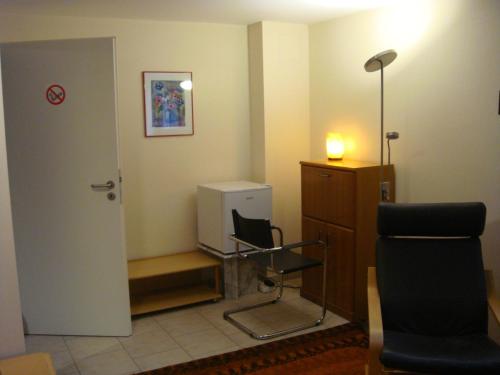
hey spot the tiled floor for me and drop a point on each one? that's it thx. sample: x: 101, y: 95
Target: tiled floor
x: 175, y: 336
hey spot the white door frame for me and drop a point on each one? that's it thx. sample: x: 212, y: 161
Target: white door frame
x: 11, y: 323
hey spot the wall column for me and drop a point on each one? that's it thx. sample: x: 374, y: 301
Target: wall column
x: 279, y: 115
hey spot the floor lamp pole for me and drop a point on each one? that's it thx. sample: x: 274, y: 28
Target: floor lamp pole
x: 378, y: 62
x: 383, y: 191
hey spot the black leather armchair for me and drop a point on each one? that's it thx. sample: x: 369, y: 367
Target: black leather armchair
x: 428, y: 297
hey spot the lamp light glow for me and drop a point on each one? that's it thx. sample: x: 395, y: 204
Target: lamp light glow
x: 186, y: 85
x: 405, y: 24
x: 334, y: 146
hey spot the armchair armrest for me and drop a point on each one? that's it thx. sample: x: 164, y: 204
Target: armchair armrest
x: 280, y: 232
x: 272, y: 249
x: 255, y: 249
x: 376, y: 330
x: 303, y: 244
x: 493, y: 300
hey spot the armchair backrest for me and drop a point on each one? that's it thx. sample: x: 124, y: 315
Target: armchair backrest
x: 429, y: 268
x: 254, y: 231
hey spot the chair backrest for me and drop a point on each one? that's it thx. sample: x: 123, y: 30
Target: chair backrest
x: 429, y: 268
x: 255, y: 231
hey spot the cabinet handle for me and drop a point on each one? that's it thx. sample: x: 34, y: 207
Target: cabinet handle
x: 324, y: 175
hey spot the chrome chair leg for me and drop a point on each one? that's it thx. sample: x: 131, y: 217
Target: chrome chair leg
x: 227, y: 314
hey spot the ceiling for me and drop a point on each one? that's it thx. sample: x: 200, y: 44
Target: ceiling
x: 216, y: 11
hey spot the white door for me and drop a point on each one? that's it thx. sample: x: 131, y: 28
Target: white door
x: 60, y: 120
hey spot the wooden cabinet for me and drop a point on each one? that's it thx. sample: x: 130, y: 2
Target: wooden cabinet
x: 339, y: 205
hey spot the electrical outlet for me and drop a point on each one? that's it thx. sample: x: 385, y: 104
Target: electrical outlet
x: 385, y: 188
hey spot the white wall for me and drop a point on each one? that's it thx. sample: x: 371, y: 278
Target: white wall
x: 441, y: 95
x: 11, y: 325
x: 279, y: 75
x: 161, y: 174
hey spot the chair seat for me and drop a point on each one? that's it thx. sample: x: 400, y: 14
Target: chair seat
x: 284, y: 261
x: 473, y: 354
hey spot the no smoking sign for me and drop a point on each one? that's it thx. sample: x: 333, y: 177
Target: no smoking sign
x: 55, y: 94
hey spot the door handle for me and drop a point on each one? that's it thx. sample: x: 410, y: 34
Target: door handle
x: 107, y: 186
x: 324, y: 175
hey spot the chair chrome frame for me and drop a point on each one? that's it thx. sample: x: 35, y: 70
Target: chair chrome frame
x: 254, y: 249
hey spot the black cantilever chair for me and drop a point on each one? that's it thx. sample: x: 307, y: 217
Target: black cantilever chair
x: 428, y: 297
x: 256, y: 234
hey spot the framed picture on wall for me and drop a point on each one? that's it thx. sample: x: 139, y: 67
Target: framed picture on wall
x: 168, y: 103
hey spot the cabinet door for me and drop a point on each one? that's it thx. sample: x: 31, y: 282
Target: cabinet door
x: 339, y: 201
x: 340, y: 270
x: 314, y: 192
x: 328, y: 194
x: 312, y: 278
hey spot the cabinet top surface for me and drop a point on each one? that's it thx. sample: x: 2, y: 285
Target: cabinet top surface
x: 340, y: 164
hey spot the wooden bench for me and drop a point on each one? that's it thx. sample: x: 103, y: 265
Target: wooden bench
x: 171, y: 281
x: 30, y: 364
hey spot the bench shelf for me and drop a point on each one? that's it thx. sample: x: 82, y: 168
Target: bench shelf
x: 150, y: 289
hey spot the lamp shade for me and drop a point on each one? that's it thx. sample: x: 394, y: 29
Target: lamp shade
x: 334, y: 146
x: 380, y: 60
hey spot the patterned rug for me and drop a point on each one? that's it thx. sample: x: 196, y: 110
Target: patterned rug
x: 334, y: 351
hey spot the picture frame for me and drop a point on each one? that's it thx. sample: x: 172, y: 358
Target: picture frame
x: 168, y: 103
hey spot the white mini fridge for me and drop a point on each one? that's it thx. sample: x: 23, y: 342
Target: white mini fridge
x: 215, y: 202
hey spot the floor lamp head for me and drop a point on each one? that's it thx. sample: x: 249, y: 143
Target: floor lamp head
x: 380, y: 60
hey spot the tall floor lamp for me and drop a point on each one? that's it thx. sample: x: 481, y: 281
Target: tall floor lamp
x: 379, y: 62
